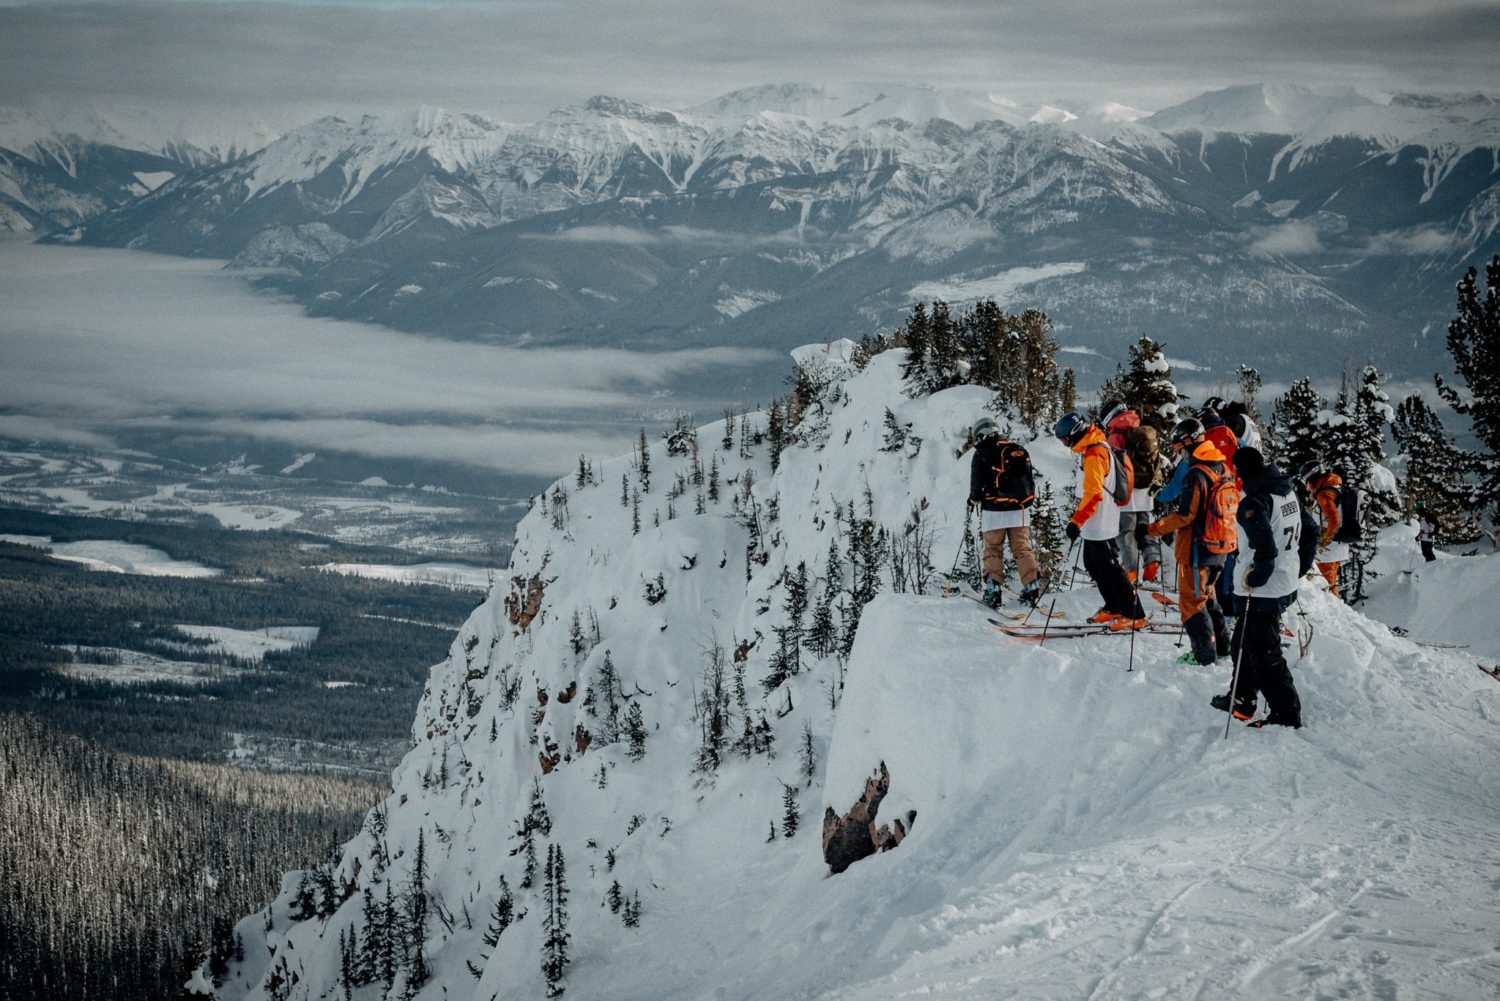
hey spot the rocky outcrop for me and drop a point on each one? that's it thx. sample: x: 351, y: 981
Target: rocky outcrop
x: 854, y: 836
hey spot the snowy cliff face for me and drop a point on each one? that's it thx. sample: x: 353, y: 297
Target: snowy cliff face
x: 1078, y: 828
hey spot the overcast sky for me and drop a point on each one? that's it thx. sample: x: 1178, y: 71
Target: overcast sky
x: 288, y: 62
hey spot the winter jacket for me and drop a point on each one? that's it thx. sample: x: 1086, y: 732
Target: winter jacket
x: 1191, y: 513
x: 1123, y: 422
x: 1262, y: 496
x: 1217, y: 432
x: 1426, y: 529
x: 1326, y: 492
x: 1000, y: 477
x: 1097, y: 514
x: 1169, y: 493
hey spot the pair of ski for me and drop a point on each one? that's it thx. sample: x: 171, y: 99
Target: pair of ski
x: 1012, y: 616
x: 1037, y: 632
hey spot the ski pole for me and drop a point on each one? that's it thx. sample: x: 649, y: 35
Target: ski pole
x: 961, y: 540
x: 1047, y: 588
x: 1234, y: 680
x: 1053, y: 607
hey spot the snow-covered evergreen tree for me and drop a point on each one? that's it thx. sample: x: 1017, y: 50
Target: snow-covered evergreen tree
x: 555, y: 959
x: 1293, y: 437
x: 1434, y: 471
x: 1474, y: 342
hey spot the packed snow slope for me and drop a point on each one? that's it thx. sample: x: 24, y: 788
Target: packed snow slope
x: 1082, y: 829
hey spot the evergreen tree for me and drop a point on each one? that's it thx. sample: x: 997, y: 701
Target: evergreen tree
x: 1068, y: 391
x: 1292, y: 439
x: 945, y: 350
x: 1474, y: 342
x: 635, y: 732
x: 390, y: 938
x: 807, y: 754
x: 607, y: 684
x: 789, y: 811
x: 369, y: 964
x: 537, y: 816
x: 1146, y: 385
x: 555, y: 922
x: 417, y: 971
x: 643, y: 463
x: 1372, y: 414
x: 1047, y: 538
x: 575, y: 634
x: 776, y: 432
x: 503, y: 917
x: 917, y: 335
x: 713, y: 479
x: 1434, y: 470
x: 728, y: 442
x: 615, y: 898
x: 632, y: 909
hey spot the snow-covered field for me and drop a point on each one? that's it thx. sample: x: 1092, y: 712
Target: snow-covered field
x: 131, y: 667
x: 252, y: 644
x: 1083, y: 829
x: 116, y: 557
x: 460, y: 576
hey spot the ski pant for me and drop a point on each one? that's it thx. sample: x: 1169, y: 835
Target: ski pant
x: 1020, y: 549
x: 1103, y: 565
x: 1202, y: 618
x: 1257, y: 649
x: 1330, y: 572
x: 1427, y: 553
x: 1136, y: 547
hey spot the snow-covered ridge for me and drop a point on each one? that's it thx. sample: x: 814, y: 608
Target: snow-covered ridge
x: 1078, y: 829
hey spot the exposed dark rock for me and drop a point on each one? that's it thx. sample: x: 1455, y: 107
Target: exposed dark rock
x: 854, y: 836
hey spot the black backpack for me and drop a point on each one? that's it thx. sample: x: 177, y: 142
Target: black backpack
x: 1010, y: 480
x: 1351, y: 515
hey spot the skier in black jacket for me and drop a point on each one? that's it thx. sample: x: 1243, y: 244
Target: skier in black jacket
x: 1278, y: 541
x: 1002, y: 487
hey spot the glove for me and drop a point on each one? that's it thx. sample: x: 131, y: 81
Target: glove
x: 1151, y: 571
x: 1072, y: 532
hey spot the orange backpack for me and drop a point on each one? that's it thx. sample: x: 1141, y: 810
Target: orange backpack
x: 1221, y: 501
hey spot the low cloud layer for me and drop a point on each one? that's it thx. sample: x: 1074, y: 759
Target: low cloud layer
x: 97, y: 341
x: 288, y: 62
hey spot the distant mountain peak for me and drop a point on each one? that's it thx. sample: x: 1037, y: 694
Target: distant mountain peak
x: 616, y: 107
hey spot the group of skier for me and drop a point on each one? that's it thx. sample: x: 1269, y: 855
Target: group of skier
x: 1242, y: 538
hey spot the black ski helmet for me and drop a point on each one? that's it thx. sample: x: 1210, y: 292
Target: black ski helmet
x: 1310, y: 471
x: 1213, y: 404
x: 1186, y: 431
x: 1111, y: 410
x: 1071, y: 428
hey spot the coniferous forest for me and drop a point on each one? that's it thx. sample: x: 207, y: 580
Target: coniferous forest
x: 118, y: 874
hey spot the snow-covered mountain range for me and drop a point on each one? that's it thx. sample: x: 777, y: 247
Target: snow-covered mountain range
x: 633, y: 700
x: 1260, y: 213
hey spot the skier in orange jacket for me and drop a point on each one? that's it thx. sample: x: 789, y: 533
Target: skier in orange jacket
x: 1097, y: 521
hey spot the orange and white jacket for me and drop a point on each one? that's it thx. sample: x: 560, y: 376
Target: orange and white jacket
x: 1097, y: 515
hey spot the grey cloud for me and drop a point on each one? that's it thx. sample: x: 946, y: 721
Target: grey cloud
x: 290, y: 62
x: 95, y: 340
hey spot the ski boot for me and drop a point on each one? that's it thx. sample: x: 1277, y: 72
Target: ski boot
x: 1241, y: 709
x: 1030, y: 594
x: 991, y: 593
